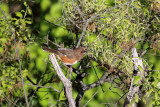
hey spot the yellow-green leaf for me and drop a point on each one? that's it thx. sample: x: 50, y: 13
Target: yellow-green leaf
x: 136, y: 98
x: 149, y: 92
x: 136, y: 79
x: 140, y: 68
x: 19, y: 14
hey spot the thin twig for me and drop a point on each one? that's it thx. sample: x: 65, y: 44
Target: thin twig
x: 120, y: 98
x: 94, y: 16
x: 59, y: 95
x: 16, y: 52
x: 69, y: 17
x: 13, y: 103
x: 47, y: 37
x: 90, y: 98
x: 107, y: 10
x: 55, y: 44
x: 79, y: 11
x: 84, y: 29
x: 43, y: 87
x: 37, y: 87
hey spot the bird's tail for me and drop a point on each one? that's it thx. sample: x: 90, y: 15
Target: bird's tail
x: 49, y: 50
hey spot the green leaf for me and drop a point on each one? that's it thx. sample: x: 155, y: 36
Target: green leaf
x: 1, y: 49
x: 136, y: 79
x: 140, y: 68
x: 1, y: 92
x: 14, y: 19
x: 135, y: 34
x: 144, y: 100
x: 119, y: 51
x: 22, y: 11
x: 45, y: 4
x: 150, y: 67
x: 29, y: 11
x: 19, y: 14
x: 156, y: 96
x: 28, y: 22
x: 25, y: 4
x: 25, y: 72
x: 130, y: 105
x: 159, y: 92
x: 149, y: 92
x: 17, y: 22
x: 136, y: 98
x: 3, y: 40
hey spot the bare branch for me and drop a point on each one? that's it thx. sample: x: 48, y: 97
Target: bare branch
x: 65, y: 81
x: 43, y: 87
x: 82, y: 34
x: 17, y: 53
x: 120, y: 99
x: 103, y: 79
x: 84, y: 87
x: 134, y: 89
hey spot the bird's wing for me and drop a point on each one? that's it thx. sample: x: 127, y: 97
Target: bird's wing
x: 68, y: 53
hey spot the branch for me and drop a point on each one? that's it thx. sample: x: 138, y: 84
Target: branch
x: 90, y: 98
x: 44, y: 87
x: 78, y: 9
x: 84, y: 88
x: 69, y: 17
x: 83, y: 31
x: 65, y: 81
x: 120, y: 99
x: 103, y: 79
x: 134, y: 89
x: 37, y: 88
x: 94, y: 16
x: 17, y: 53
x: 107, y: 10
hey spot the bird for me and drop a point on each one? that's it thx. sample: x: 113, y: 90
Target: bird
x: 67, y: 56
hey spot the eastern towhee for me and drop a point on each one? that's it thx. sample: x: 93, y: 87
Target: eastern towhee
x: 67, y: 56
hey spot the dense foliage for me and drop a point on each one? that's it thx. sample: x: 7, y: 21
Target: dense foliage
x: 109, y: 30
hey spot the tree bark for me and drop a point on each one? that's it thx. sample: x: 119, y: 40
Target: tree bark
x: 134, y: 89
x: 65, y: 81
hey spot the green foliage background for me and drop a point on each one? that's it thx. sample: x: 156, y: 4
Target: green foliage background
x: 31, y: 25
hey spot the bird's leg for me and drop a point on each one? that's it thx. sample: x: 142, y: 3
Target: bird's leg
x: 70, y: 71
